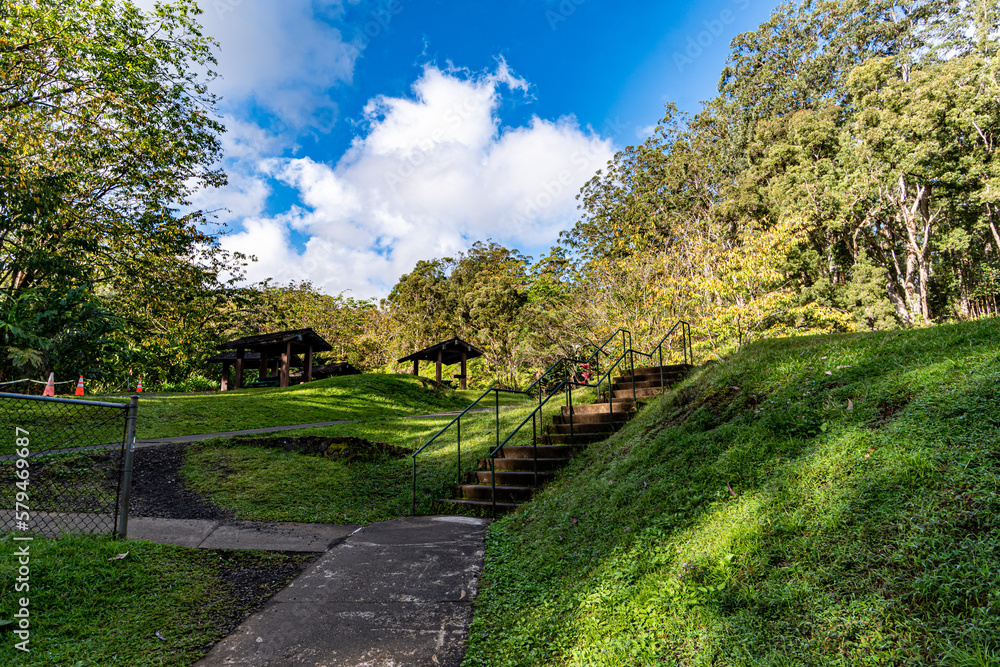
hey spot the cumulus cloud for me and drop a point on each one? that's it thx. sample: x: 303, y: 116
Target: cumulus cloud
x: 283, y: 57
x: 433, y: 172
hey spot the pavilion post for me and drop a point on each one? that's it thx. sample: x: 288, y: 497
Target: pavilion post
x: 463, y: 379
x: 286, y: 361
x: 262, y: 369
x: 439, y: 360
x: 416, y: 367
x: 308, y: 373
x: 238, y: 380
x: 224, y: 384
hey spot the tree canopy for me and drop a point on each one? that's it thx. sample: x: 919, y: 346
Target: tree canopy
x: 845, y: 176
x: 107, y: 126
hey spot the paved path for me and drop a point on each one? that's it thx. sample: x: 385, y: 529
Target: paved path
x: 394, y: 593
x: 256, y: 535
x: 153, y: 442
x: 206, y: 534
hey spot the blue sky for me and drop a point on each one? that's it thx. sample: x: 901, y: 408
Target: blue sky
x: 366, y: 135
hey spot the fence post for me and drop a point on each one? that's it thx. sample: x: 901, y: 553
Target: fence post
x: 126, y: 495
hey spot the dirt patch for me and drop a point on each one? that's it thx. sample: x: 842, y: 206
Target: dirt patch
x: 347, y: 449
x: 159, y: 491
x: 887, y: 411
x: 248, y: 580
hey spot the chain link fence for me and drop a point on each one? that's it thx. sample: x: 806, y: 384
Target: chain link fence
x: 65, y: 465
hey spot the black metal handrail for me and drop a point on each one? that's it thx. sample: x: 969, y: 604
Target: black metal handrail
x: 569, y: 383
x: 529, y: 390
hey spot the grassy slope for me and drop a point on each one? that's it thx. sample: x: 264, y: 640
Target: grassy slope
x: 351, y: 397
x: 270, y: 484
x: 87, y: 610
x: 861, y: 528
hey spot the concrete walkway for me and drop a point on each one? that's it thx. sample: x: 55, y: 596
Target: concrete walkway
x: 394, y: 593
x: 199, y: 533
x: 255, y: 535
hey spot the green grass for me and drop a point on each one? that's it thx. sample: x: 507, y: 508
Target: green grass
x: 86, y: 610
x: 270, y: 484
x: 862, y: 526
x: 342, y: 398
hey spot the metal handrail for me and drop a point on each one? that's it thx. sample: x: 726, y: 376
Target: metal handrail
x: 529, y: 390
x: 568, y: 382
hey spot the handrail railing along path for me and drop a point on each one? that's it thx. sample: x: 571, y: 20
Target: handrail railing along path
x: 566, y: 383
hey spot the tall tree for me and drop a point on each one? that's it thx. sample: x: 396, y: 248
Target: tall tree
x: 106, y: 128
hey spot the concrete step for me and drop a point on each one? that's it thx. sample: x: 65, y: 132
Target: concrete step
x: 560, y: 451
x: 639, y: 393
x: 574, y: 439
x: 671, y: 376
x: 673, y: 368
x: 644, y: 384
x: 578, y: 428
x: 597, y: 418
x: 507, y: 494
x: 480, y: 505
x: 509, y: 477
x: 527, y: 464
x: 620, y: 406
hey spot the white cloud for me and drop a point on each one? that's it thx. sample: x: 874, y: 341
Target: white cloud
x: 284, y: 57
x: 435, y: 172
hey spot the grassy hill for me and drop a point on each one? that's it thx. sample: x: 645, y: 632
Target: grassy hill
x: 811, y: 501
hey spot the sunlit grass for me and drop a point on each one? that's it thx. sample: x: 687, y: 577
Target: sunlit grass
x: 861, y: 528
x: 343, y: 398
x: 270, y: 484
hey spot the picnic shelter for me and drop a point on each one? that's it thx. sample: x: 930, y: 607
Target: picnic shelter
x: 282, y: 351
x: 447, y: 353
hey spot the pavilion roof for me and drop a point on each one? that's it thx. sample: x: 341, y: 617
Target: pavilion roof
x: 300, y: 339
x: 295, y: 362
x: 451, y: 352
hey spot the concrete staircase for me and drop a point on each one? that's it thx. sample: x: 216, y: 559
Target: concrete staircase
x: 569, y: 432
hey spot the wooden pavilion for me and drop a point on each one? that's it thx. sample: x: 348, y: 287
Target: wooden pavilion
x: 448, y: 353
x: 279, y: 350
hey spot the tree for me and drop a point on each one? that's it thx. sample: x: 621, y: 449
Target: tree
x: 106, y: 128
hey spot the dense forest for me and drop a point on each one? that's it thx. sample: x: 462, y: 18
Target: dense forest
x: 845, y: 177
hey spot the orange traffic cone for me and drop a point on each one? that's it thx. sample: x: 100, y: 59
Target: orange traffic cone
x: 50, y: 387
x: 79, y: 387
x: 138, y: 387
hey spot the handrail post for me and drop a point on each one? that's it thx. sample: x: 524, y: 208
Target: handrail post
x: 631, y: 356
x: 534, y: 445
x: 459, y: 425
x: 496, y: 395
x: 662, y: 389
x: 493, y: 480
x: 690, y: 344
x: 413, y: 509
x: 611, y: 396
x: 572, y: 418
